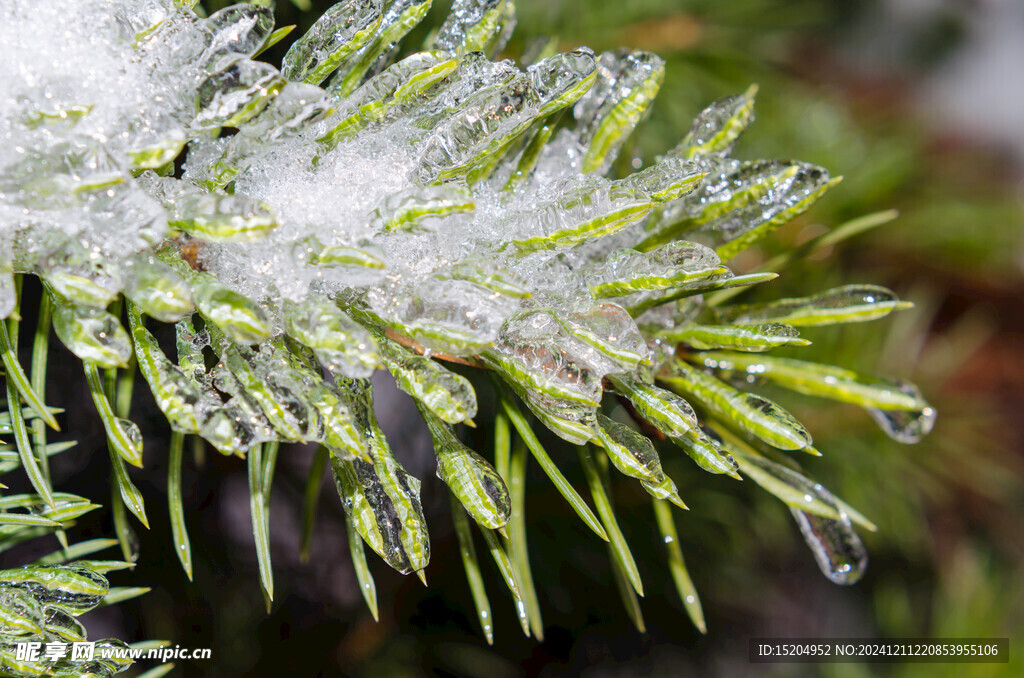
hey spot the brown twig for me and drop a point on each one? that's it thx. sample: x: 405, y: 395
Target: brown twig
x: 420, y: 349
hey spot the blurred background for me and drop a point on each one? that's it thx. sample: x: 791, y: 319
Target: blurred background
x: 918, y: 104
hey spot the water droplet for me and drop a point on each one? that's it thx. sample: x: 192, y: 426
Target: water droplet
x: 906, y: 426
x: 840, y: 554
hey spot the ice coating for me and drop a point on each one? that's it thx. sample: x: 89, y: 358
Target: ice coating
x: 634, y: 455
x: 753, y: 338
x: 849, y: 303
x: 398, y: 18
x: 296, y: 201
x: 627, y: 270
x: 97, y: 92
x: 477, y: 26
x: 312, y: 211
x: 626, y: 84
x: 898, y: 406
x: 438, y: 205
x: 365, y: 190
x: 340, y: 31
x: 717, y: 127
x: 41, y: 604
x: 80, y: 108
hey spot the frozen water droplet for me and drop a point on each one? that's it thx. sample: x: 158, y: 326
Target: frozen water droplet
x: 476, y: 26
x: 130, y: 432
x: 471, y: 478
x: 906, y: 426
x: 674, y: 265
x: 381, y: 498
x: 447, y: 395
x: 399, y: 17
x: 92, y: 334
x: 664, y: 409
x: 626, y: 85
x: 157, y: 289
x: 341, y: 344
x: 240, y: 28
x: 669, y: 179
x: 838, y: 550
x: 610, y: 331
x: 452, y: 316
x: 240, y: 318
x: 563, y: 78
x: 535, y: 349
x: 582, y: 208
x: 739, y: 202
x: 466, y: 137
x: 707, y: 452
x: 753, y: 338
x: 632, y: 453
x: 334, y: 36
x: 236, y: 92
x: 717, y: 127
x: 849, y: 303
x: 396, y: 89
x: 132, y: 539
x: 421, y: 209
x: 491, y: 274
x: 824, y: 520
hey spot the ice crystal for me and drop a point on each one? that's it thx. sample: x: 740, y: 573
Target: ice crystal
x: 373, y: 208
